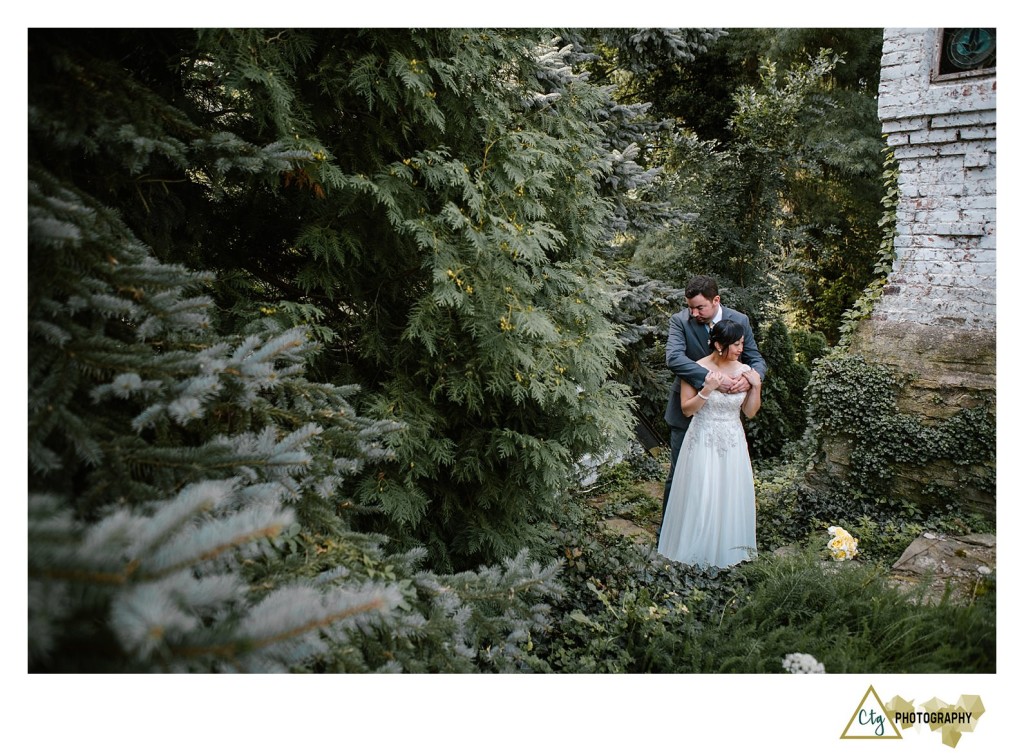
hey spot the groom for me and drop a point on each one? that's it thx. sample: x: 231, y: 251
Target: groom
x: 688, y: 333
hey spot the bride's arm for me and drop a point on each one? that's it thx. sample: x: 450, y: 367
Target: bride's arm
x: 693, y: 400
x: 752, y: 402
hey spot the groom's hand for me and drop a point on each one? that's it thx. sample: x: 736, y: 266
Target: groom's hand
x: 733, y: 384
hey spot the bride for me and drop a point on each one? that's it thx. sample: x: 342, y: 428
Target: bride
x: 709, y: 520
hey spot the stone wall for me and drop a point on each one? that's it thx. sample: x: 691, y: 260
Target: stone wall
x: 936, y: 318
x: 944, y: 136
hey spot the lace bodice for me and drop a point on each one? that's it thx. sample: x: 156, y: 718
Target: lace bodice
x: 717, y: 423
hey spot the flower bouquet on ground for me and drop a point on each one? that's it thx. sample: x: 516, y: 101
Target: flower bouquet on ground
x: 842, y: 546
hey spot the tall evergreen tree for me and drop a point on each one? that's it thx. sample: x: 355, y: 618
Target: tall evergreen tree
x: 190, y: 488
x: 428, y: 202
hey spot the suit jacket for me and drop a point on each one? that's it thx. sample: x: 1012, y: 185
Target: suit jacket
x: 688, y: 343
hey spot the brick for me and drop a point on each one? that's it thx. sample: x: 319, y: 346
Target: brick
x: 919, y: 255
x: 933, y: 216
x: 911, y: 151
x: 979, y: 203
x: 904, y: 71
x: 940, y: 135
x: 973, y: 118
x: 979, y: 133
x: 981, y: 187
x: 978, y: 155
x: 933, y: 241
x: 894, y: 56
x: 950, y: 228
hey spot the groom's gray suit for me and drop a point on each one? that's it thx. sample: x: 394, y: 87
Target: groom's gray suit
x: 688, y: 343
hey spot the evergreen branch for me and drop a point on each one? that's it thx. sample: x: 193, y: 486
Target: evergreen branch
x: 162, y: 181
x: 86, y: 576
x: 230, y: 650
x: 128, y: 573
x: 179, y: 169
x: 503, y: 594
x: 267, y: 532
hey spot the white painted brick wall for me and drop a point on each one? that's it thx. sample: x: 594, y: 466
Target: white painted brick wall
x: 944, y: 136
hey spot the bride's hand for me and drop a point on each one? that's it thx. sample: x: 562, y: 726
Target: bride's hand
x: 753, y: 377
x: 713, y: 380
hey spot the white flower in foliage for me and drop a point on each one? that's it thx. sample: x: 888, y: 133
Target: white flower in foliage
x: 802, y: 664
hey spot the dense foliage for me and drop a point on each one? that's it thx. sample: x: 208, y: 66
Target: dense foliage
x: 415, y: 215
x: 783, y: 413
x: 782, y: 124
x: 188, y: 505
x: 906, y: 474
x: 429, y: 203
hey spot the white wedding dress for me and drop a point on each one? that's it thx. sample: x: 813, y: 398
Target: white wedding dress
x: 710, y: 515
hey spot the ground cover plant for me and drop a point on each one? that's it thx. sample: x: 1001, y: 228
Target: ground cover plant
x: 626, y: 609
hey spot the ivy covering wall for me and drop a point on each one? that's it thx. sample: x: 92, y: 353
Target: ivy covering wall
x: 891, y: 455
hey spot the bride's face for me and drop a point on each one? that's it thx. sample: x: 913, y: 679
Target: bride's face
x: 734, y: 351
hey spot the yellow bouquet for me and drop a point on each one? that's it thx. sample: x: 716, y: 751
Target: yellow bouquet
x: 842, y: 546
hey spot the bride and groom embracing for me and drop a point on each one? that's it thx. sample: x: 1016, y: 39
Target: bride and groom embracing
x: 708, y: 508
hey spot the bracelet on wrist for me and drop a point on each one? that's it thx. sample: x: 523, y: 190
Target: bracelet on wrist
x: 702, y: 396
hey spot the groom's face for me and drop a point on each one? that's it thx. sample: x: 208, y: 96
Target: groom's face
x: 702, y: 309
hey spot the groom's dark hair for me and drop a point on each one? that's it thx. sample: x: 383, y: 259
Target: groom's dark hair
x: 702, y: 285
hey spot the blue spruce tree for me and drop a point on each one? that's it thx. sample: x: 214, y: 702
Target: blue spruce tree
x: 165, y: 461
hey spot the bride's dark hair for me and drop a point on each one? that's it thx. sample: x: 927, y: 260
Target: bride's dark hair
x: 725, y: 333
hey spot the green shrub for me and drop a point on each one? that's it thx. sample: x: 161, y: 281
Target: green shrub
x: 783, y: 413
x: 776, y: 494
